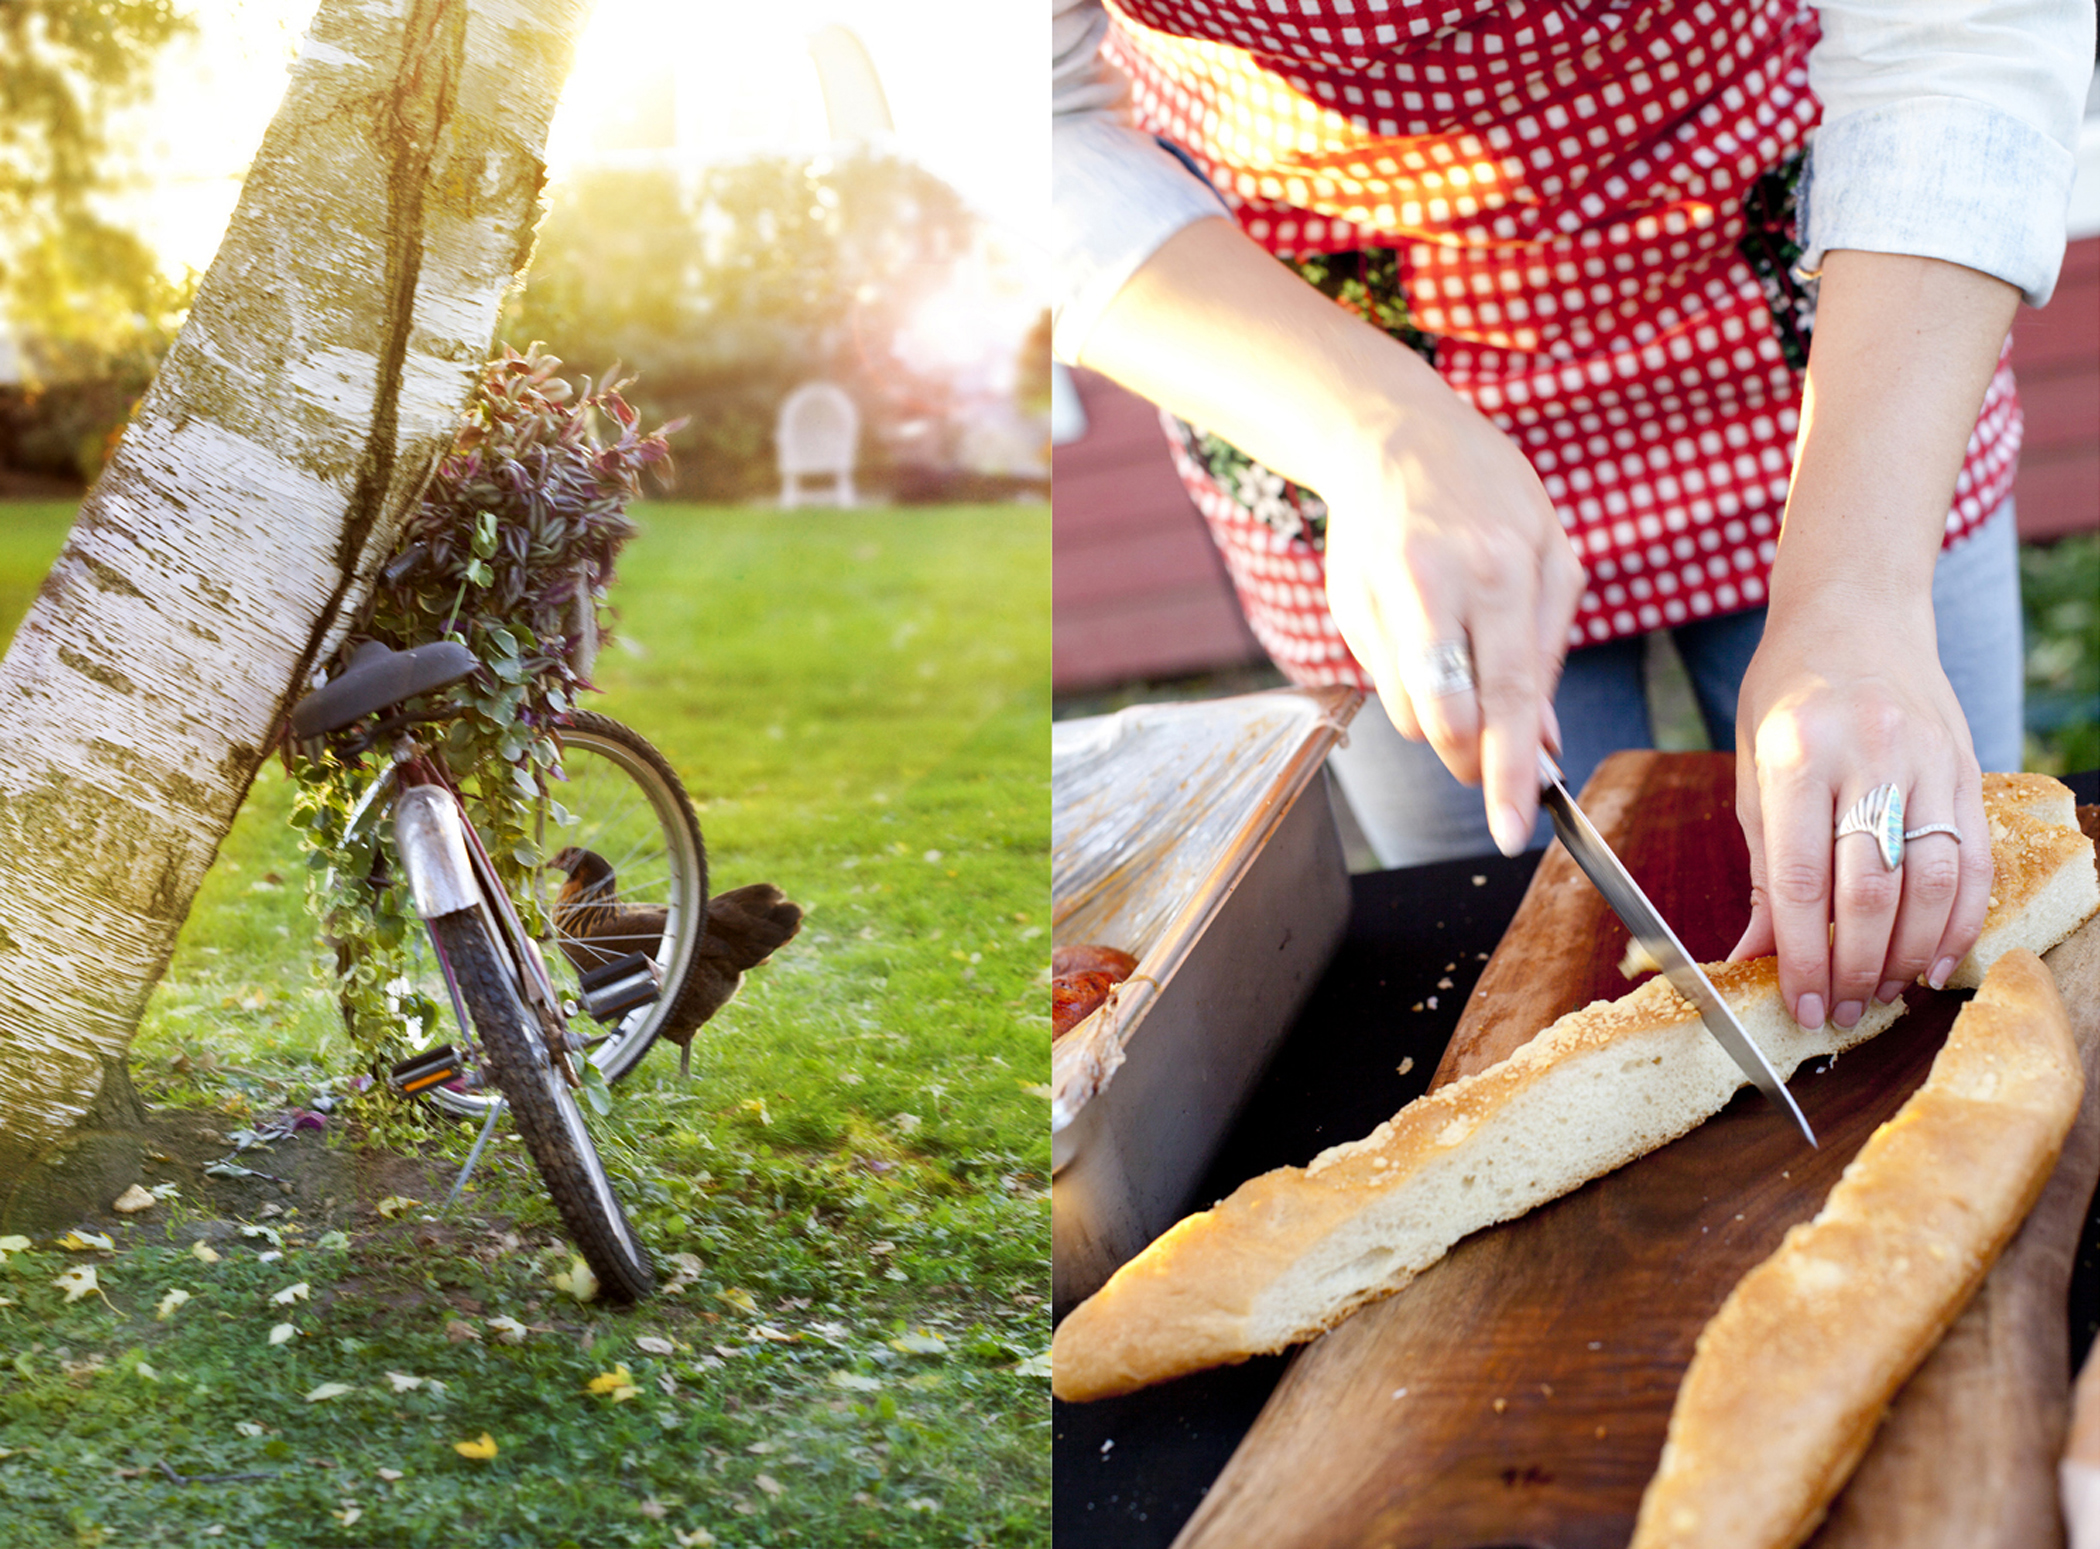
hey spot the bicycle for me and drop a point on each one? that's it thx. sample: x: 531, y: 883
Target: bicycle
x: 625, y: 927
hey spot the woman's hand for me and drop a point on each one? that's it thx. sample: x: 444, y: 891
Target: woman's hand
x: 1846, y: 693
x: 1842, y: 698
x: 1452, y: 538
x: 1438, y: 529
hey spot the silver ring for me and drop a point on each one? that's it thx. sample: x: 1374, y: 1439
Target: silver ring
x: 1879, y: 815
x: 1444, y: 668
x: 1932, y: 828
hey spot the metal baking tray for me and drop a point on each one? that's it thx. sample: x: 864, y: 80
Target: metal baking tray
x: 1200, y: 838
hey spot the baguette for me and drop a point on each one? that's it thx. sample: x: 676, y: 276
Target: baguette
x: 2043, y: 884
x: 1789, y: 1380
x: 1293, y: 1252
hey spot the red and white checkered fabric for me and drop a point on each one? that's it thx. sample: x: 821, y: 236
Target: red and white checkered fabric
x: 1564, y: 181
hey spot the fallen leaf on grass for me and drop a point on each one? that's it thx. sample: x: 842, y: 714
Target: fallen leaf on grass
x: 389, y: 1474
x: 483, y: 1449
x: 347, y: 1515
x: 331, y: 1240
x: 1035, y: 1366
x: 394, y: 1204
x: 578, y: 1282
x: 699, y: 1538
x: 147, y: 1372
x: 923, y: 1342
x: 738, y: 1298
x: 290, y: 1294
x: 770, y: 1485
x: 854, y: 1382
x: 281, y: 1333
x: 458, y: 1332
x: 14, y: 1243
x: 132, y: 1201
x: 247, y: 1427
x: 269, y: 1256
x: 276, y: 1237
x: 328, y: 1390
x: 619, y: 1382
x: 778, y: 1336
x: 165, y: 1308
x: 509, y: 1330
x: 653, y: 1345
x: 1036, y: 1089
x: 201, y: 1253
x: 653, y: 1509
x: 403, y: 1382
x: 81, y: 1242
x: 78, y: 1282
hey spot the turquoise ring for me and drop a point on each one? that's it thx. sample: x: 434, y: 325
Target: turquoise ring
x: 1879, y: 815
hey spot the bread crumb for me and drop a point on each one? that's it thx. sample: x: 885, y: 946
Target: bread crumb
x: 1444, y: 983
x: 1501, y: 1404
x: 1479, y: 880
x: 1596, y: 1344
x: 1106, y: 1445
x: 1417, y: 1006
x: 1637, y: 961
x: 1430, y: 1003
x: 1399, y: 1392
x: 1546, y: 1388
x: 1449, y: 966
x: 1407, y: 1064
x: 1600, y: 1433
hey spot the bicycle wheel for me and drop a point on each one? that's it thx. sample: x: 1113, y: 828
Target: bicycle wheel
x: 627, y: 872
x: 543, y: 1107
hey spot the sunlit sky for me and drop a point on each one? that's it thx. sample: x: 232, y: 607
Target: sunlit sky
x: 966, y: 83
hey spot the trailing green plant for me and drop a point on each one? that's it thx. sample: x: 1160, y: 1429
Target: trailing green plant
x: 510, y: 552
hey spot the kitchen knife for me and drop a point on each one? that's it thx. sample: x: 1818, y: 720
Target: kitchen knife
x: 1655, y: 938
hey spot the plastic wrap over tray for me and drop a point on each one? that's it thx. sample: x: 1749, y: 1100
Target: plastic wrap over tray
x: 1156, y: 812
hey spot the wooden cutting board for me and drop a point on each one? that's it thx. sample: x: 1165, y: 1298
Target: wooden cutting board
x: 1516, y: 1394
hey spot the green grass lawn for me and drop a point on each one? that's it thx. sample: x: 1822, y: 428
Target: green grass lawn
x: 858, y: 1169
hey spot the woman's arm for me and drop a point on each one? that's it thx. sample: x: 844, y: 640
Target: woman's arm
x: 1438, y: 529
x: 1846, y: 692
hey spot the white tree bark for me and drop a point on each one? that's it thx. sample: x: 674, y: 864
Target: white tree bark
x: 223, y: 552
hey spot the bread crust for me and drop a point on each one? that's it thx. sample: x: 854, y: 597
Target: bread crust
x: 1292, y: 1252
x: 1789, y: 1379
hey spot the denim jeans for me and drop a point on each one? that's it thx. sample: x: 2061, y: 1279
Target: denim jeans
x: 1413, y: 811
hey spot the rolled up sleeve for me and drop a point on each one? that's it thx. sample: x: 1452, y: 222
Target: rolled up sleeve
x: 1949, y: 129
x: 1115, y: 196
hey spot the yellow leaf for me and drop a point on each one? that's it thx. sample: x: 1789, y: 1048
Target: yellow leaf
x: 81, y: 1242
x: 328, y: 1390
x: 619, y: 1382
x: 347, y: 1515
x: 394, y: 1204
x: 13, y: 1244
x: 281, y: 1333
x: 579, y: 1282
x: 738, y: 1298
x: 922, y: 1342
x: 201, y: 1253
x: 699, y: 1538
x: 78, y: 1282
x: 291, y: 1293
x: 483, y: 1449
x: 167, y: 1305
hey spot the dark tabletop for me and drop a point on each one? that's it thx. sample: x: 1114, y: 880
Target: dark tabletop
x: 1128, y: 1472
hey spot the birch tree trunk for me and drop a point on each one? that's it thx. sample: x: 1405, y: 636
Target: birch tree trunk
x: 223, y: 552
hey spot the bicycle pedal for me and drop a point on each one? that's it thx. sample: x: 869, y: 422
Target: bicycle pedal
x: 611, y: 991
x: 420, y: 1072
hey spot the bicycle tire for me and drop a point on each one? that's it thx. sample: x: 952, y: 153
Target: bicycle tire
x: 543, y: 1107
x: 622, y: 796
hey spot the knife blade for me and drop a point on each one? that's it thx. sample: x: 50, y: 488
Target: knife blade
x: 1647, y: 927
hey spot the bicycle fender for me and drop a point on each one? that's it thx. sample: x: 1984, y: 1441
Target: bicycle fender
x: 433, y: 851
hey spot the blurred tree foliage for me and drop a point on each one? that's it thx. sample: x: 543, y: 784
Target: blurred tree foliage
x: 90, y: 309
x: 724, y: 289
x: 2060, y: 594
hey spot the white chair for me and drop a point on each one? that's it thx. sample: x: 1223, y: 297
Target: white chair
x: 817, y: 437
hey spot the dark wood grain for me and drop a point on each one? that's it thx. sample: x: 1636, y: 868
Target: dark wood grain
x: 1517, y: 1393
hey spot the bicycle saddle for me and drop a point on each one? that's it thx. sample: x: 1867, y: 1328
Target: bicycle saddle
x: 377, y: 677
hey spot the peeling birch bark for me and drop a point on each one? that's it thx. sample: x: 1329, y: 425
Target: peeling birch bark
x: 225, y: 549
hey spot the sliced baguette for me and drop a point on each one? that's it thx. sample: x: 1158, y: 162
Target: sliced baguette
x: 2043, y: 883
x: 1788, y: 1381
x: 1294, y: 1251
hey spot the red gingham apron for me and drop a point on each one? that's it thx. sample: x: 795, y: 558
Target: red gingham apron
x: 1563, y: 181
